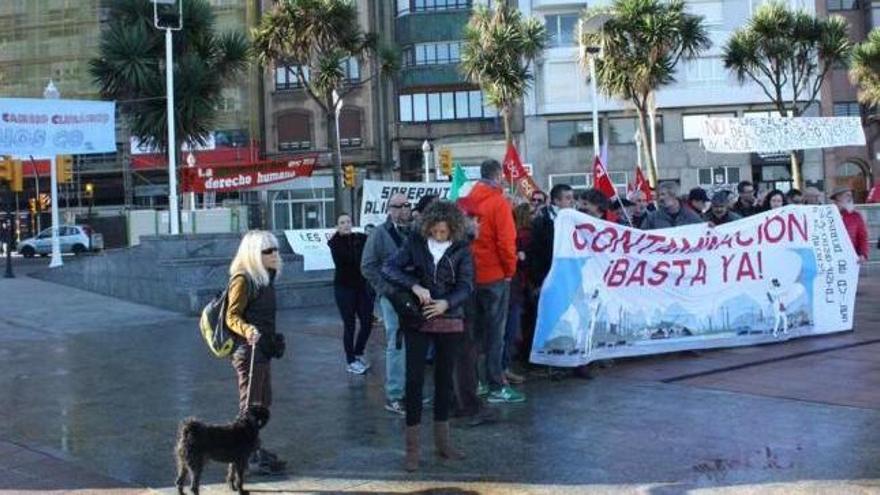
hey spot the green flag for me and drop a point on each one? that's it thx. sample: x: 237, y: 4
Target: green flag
x: 459, y: 178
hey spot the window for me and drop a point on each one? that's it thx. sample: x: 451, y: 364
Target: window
x: 847, y: 109
x: 460, y: 105
x: 567, y: 133
x: 763, y: 114
x: 842, y: 5
x: 350, y: 128
x: 286, y: 77
x: 352, y: 69
x: 622, y: 130
x: 692, y: 125
x: 561, y: 29
x: 718, y: 176
x: 408, y: 6
x: 294, y: 131
x: 445, y: 52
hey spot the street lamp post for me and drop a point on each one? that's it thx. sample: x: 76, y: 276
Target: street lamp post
x: 173, y: 208
x: 592, y: 25
x: 426, y: 156
x: 51, y: 93
x: 337, y: 111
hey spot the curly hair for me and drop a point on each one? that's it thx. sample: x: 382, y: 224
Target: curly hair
x: 443, y: 211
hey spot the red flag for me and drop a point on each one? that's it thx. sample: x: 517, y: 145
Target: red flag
x: 516, y: 174
x: 642, y: 185
x: 601, y: 181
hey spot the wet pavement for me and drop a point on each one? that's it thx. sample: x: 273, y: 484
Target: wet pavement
x: 93, y: 389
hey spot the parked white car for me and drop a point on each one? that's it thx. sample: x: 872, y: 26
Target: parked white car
x: 76, y: 239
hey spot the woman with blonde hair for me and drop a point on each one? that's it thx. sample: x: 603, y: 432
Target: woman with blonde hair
x: 250, y: 315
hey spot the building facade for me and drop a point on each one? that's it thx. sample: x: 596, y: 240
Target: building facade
x: 853, y: 166
x: 43, y: 40
x: 558, y: 122
x: 430, y: 98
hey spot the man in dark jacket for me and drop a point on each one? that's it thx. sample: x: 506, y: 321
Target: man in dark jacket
x: 720, y: 213
x: 540, y: 250
x: 671, y: 213
x: 746, y: 205
x: 381, y: 245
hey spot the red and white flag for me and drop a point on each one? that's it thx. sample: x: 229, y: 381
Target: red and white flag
x: 642, y: 185
x: 601, y: 181
x: 516, y: 174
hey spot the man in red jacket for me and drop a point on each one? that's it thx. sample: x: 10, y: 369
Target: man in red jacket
x: 494, y: 252
x: 852, y: 220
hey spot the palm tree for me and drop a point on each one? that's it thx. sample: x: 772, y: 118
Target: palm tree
x: 865, y: 69
x: 642, y: 42
x: 316, y: 37
x: 499, y: 48
x: 787, y: 53
x: 130, y: 68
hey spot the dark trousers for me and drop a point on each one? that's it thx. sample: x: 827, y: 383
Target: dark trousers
x: 467, y: 401
x: 354, y: 303
x: 529, y: 320
x: 511, y: 331
x: 416, y: 344
x: 261, y: 385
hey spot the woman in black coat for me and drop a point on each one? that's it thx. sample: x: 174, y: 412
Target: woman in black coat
x: 434, y: 264
x: 353, y: 295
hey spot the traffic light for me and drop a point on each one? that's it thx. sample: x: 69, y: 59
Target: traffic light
x: 446, y: 162
x: 65, y: 168
x: 349, y: 176
x: 10, y: 171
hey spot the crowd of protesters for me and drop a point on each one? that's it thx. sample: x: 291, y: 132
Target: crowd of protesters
x: 457, y: 285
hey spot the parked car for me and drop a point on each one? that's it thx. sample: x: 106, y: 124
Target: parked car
x: 76, y: 239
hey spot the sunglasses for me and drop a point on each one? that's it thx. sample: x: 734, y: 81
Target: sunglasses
x: 404, y: 205
x: 269, y: 251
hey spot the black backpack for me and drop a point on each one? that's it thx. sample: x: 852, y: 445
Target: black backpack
x: 213, y: 326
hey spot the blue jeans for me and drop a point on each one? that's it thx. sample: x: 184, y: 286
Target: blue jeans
x: 395, y: 359
x: 492, y: 303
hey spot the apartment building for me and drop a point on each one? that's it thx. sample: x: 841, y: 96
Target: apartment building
x: 558, y: 120
x: 855, y: 166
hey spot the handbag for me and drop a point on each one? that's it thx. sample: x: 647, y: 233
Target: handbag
x: 407, y: 307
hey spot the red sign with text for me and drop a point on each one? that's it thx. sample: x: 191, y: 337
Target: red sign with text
x: 236, y: 177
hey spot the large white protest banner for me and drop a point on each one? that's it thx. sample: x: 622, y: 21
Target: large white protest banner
x: 613, y: 291
x: 374, y: 206
x: 43, y: 128
x: 311, y: 244
x: 767, y: 135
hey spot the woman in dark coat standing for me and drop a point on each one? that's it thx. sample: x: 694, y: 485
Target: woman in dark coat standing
x: 353, y: 296
x: 435, y: 264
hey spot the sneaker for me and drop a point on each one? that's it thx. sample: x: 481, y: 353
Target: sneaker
x: 482, y: 389
x: 484, y: 415
x: 513, y: 377
x: 363, y: 361
x: 506, y: 395
x: 263, y: 462
x: 356, y: 368
x: 395, y: 406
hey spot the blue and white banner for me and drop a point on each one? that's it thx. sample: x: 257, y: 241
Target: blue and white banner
x: 44, y: 128
x: 613, y: 291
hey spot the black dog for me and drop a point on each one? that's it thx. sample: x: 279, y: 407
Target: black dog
x: 232, y: 443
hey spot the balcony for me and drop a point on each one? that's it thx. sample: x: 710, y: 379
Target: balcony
x: 431, y: 26
x: 430, y: 75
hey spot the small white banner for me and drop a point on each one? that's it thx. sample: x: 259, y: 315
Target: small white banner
x: 767, y: 135
x: 374, y: 207
x: 311, y: 244
x: 42, y: 128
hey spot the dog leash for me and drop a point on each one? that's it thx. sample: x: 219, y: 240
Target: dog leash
x: 250, y: 375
